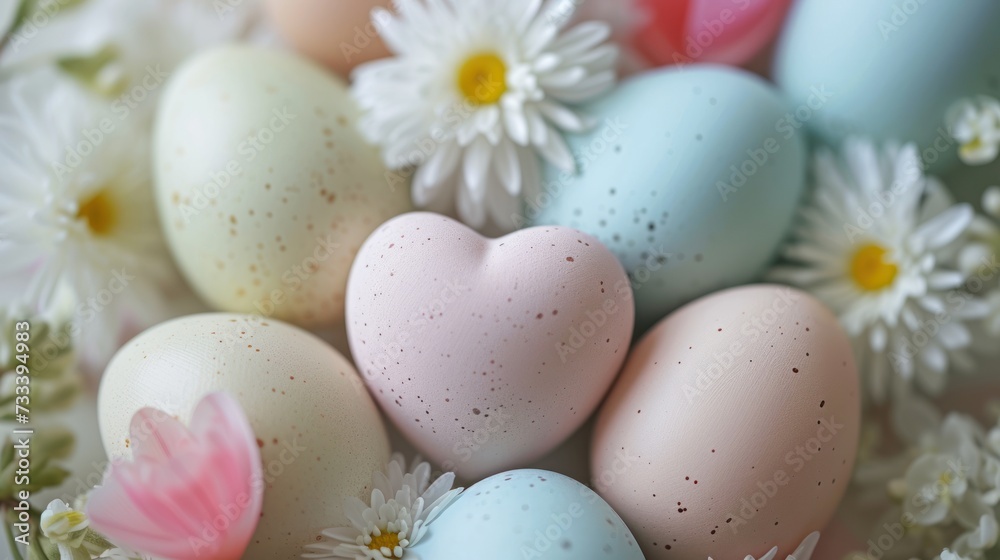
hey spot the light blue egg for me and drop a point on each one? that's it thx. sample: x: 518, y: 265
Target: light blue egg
x: 691, y: 178
x: 889, y: 69
x: 528, y: 514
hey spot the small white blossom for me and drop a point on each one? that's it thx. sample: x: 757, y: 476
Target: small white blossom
x: 65, y: 527
x: 949, y: 486
x: 975, y: 123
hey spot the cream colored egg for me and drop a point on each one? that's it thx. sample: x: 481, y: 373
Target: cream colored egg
x: 320, y: 435
x: 266, y: 190
x: 340, y: 34
x: 733, y: 427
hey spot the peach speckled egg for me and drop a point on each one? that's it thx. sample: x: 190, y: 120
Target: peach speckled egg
x: 320, y: 435
x: 265, y: 188
x: 337, y: 33
x: 733, y: 427
x: 486, y: 354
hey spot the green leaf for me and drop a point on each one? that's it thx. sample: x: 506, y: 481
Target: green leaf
x: 22, y: 13
x: 53, y: 442
x: 35, y: 551
x: 51, y: 476
x: 42, y: 548
x: 89, y: 71
x: 29, y: 8
x: 96, y: 543
x: 59, y: 396
x: 7, y: 453
x: 51, y: 359
x: 9, y: 533
x: 7, y: 481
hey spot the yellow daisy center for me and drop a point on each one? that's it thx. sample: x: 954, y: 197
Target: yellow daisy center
x: 385, y: 540
x: 482, y: 78
x: 99, y: 213
x: 870, y: 270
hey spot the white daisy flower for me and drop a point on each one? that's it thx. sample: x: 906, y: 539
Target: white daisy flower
x: 402, y: 507
x: 625, y: 17
x: 77, y: 216
x: 803, y: 552
x: 876, y: 243
x: 975, y: 123
x: 134, y: 44
x: 476, y: 92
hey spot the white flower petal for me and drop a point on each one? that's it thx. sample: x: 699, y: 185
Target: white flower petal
x: 945, y: 227
x: 401, y: 514
x: 412, y: 96
x: 920, y: 232
x: 476, y: 168
x: 508, y: 168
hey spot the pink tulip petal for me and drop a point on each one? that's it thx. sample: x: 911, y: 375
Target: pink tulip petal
x: 154, y: 433
x: 749, y: 29
x: 190, y: 492
x: 726, y: 31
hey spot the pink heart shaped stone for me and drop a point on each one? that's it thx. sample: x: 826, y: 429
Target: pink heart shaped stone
x: 486, y: 353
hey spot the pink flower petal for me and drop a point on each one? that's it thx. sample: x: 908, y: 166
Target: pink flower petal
x: 726, y: 31
x: 191, y: 492
x: 154, y: 433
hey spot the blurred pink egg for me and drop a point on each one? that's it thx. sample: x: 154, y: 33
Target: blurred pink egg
x: 724, y: 31
x: 336, y: 33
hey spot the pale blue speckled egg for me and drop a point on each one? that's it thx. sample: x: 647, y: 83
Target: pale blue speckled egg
x: 889, y: 69
x: 691, y: 178
x: 528, y: 514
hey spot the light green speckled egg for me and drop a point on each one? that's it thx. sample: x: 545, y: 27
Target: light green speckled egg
x: 266, y: 190
x: 320, y: 434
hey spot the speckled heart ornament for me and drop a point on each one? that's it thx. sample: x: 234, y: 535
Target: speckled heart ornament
x: 486, y: 353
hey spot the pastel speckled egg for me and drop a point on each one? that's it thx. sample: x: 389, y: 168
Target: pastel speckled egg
x: 528, y: 514
x: 889, y: 69
x: 337, y: 33
x: 486, y: 354
x: 265, y: 188
x: 733, y: 427
x: 320, y: 435
x: 691, y: 178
